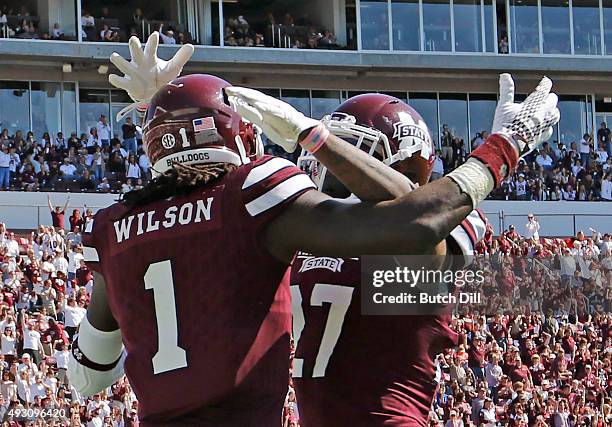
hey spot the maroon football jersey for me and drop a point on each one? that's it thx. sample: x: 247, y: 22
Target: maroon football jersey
x: 356, y: 370
x: 203, y: 308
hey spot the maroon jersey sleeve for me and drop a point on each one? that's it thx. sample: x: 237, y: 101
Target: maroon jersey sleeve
x: 270, y: 184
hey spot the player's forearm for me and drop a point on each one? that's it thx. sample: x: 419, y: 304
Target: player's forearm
x: 366, y: 177
x: 427, y: 215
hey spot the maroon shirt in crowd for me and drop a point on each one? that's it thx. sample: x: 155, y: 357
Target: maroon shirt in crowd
x: 57, y: 218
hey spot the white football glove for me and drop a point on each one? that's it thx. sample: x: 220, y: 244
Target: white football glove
x: 279, y: 121
x: 145, y: 74
x: 530, y: 123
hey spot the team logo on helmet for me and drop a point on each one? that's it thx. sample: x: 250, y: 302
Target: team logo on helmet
x: 409, y: 133
x: 168, y: 141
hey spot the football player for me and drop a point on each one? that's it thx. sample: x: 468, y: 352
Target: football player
x: 191, y: 270
x: 382, y: 366
x: 351, y: 369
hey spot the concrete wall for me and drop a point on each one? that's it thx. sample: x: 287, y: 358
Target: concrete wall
x: 27, y: 210
x: 556, y: 218
x: 22, y: 211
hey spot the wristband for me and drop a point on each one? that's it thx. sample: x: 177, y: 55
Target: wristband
x: 315, y: 139
x: 475, y: 179
x: 499, y: 154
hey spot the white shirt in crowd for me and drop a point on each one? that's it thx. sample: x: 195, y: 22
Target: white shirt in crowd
x: 37, y: 389
x: 61, y: 264
x: 5, y: 159
x: 104, y: 131
x: 493, y: 373
x: 87, y: 21
x: 73, y: 315
x: 602, y: 156
x: 12, y: 248
x: 585, y: 148
x: 544, y: 160
x: 531, y: 229
x: 61, y: 358
x: 51, y: 382
x: 68, y: 169
x: 74, y: 261
x: 606, y: 189
x: 521, y: 188
x: 133, y: 170
x: 31, y: 339
x: 8, y: 345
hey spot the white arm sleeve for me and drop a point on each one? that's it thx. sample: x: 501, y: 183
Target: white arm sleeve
x: 96, y: 360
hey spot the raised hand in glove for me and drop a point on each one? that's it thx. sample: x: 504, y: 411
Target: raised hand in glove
x: 146, y: 73
x: 527, y: 124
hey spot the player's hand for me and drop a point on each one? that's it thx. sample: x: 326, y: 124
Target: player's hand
x: 530, y: 123
x: 281, y: 123
x: 146, y: 72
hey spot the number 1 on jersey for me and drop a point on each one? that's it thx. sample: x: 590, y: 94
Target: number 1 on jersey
x: 169, y: 355
x: 340, y: 299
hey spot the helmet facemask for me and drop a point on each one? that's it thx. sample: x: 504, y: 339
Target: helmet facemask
x: 344, y: 126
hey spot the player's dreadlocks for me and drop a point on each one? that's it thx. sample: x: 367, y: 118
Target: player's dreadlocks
x: 177, y: 181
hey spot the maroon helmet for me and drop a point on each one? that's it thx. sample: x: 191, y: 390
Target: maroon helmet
x: 189, y: 122
x: 387, y: 128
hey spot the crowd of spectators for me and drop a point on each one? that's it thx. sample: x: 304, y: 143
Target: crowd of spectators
x: 288, y: 32
x: 581, y: 171
x: 98, y: 161
x: 22, y: 24
x: 105, y: 27
x: 538, y: 350
x: 103, y: 162
x: 46, y: 287
x: 110, y: 28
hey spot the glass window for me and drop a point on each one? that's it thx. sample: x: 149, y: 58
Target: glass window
x: 607, y: 18
x: 482, y: 110
x: 15, y: 107
x: 92, y: 103
x: 298, y: 99
x: 426, y: 104
x: 489, y: 21
x: 573, y: 119
x: 118, y: 20
x: 399, y: 95
x: 524, y: 26
x: 436, y: 25
x: 40, y: 20
x: 349, y: 94
x: 271, y: 92
x: 46, y: 108
x: 406, y: 24
x: 350, y: 10
x: 324, y: 102
x: 119, y: 100
x: 374, y: 25
x: 69, y: 123
x: 453, y: 114
x: 555, y: 26
x: 587, y: 33
x: 468, y: 25
x: 285, y: 24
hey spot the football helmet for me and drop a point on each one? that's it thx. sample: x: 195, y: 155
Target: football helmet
x: 190, y: 122
x: 386, y: 128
